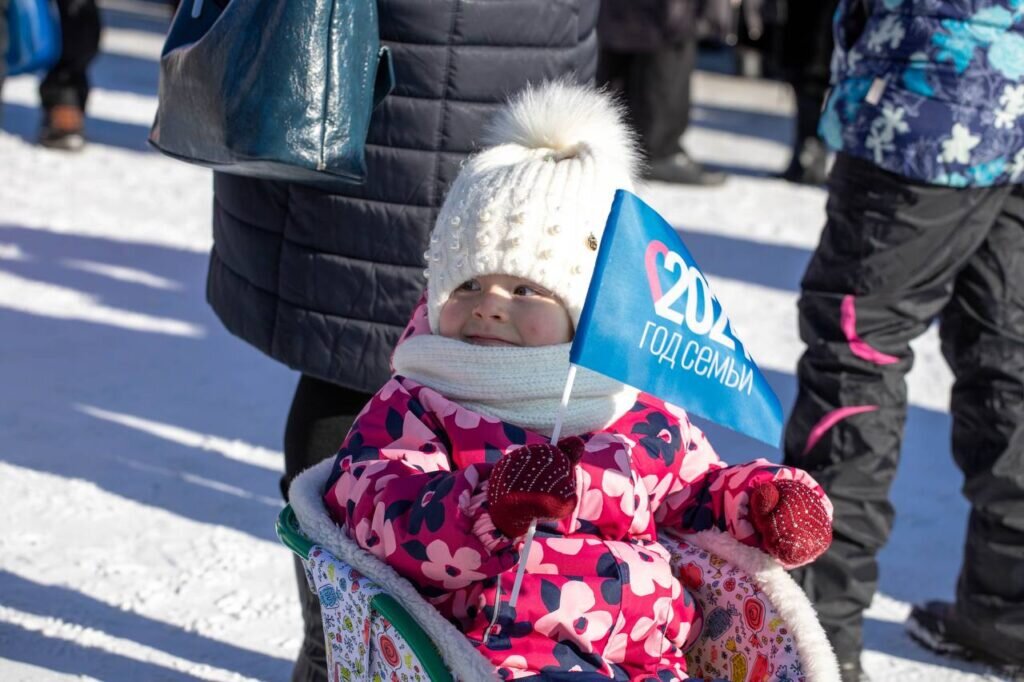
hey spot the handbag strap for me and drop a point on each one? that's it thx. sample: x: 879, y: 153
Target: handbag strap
x: 384, y: 82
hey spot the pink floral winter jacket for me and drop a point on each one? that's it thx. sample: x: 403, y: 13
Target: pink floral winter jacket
x: 410, y: 483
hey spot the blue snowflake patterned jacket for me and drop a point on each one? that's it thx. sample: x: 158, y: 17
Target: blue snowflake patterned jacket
x: 930, y: 89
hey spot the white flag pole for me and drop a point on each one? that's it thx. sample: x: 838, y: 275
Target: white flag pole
x: 555, y: 433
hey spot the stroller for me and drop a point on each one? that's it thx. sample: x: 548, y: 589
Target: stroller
x: 758, y: 625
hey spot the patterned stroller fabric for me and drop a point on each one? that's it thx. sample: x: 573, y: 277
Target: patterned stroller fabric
x: 362, y: 643
x: 745, y: 639
x: 758, y: 625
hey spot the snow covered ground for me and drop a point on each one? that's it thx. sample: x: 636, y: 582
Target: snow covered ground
x: 140, y: 443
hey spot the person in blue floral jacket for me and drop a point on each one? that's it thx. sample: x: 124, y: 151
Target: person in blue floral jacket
x: 925, y: 221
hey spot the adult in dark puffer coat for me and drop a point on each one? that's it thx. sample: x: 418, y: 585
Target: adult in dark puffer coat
x: 326, y: 282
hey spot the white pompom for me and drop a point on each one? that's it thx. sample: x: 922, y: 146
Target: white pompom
x: 570, y: 121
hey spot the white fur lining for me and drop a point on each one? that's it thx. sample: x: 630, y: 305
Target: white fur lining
x: 792, y: 605
x: 306, y: 498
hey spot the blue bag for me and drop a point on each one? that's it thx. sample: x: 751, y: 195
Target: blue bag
x: 279, y: 89
x: 34, y: 31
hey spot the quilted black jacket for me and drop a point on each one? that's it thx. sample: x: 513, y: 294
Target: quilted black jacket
x: 325, y: 282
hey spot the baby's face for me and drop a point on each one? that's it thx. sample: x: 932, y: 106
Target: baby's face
x: 501, y: 310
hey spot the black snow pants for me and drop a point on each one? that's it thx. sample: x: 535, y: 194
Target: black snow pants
x: 894, y: 256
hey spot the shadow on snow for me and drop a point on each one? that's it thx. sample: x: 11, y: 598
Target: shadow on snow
x: 61, y: 371
x: 69, y: 606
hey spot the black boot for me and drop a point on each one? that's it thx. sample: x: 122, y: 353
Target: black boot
x: 681, y: 169
x: 850, y: 671
x: 808, y: 164
x: 935, y: 626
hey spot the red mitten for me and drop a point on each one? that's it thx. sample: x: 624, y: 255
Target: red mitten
x: 792, y: 520
x: 533, y: 482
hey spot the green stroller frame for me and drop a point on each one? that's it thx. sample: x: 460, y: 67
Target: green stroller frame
x: 383, y: 605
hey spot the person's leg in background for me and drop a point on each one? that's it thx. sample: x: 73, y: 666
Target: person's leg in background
x: 320, y: 417
x: 982, y: 333
x: 806, y: 54
x: 3, y: 50
x: 655, y: 87
x: 884, y: 269
x: 3, y: 39
x: 65, y: 88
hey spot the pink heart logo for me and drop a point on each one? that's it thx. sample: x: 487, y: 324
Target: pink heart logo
x: 651, y: 264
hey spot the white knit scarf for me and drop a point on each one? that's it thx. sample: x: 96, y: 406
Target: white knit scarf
x: 522, y: 386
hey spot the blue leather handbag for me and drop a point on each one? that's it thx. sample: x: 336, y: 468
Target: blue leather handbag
x: 34, y: 32
x: 279, y: 89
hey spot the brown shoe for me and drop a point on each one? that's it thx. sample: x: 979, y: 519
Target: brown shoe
x: 63, y: 128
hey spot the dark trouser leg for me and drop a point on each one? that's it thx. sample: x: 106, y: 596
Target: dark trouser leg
x: 67, y: 82
x: 656, y: 89
x: 807, y: 44
x: 4, y: 42
x: 983, y: 341
x: 611, y: 70
x: 808, y: 113
x: 320, y: 417
x: 809, y: 160
x: 884, y: 268
x: 807, y: 52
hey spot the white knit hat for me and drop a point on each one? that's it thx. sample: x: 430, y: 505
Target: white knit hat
x: 533, y: 204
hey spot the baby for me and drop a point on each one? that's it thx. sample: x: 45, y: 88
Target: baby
x: 447, y: 466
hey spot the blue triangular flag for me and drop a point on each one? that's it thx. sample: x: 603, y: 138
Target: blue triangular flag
x: 651, y: 321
